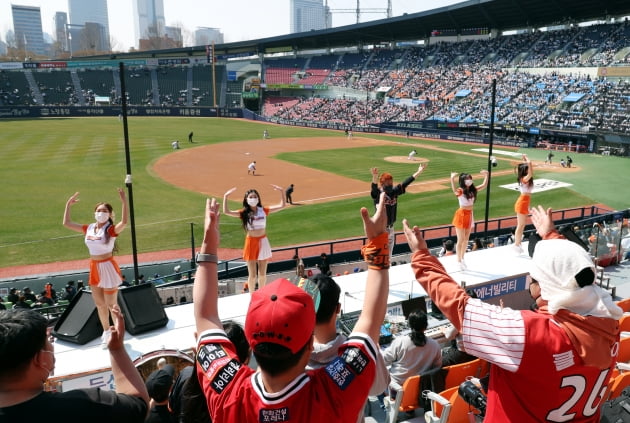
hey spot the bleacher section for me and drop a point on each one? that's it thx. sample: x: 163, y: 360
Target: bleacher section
x: 233, y: 96
x: 56, y: 87
x: 139, y: 87
x: 447, y: 81
x: 173, y: 85
x: 97, y: 82
x: 202, y: 86
x: 14, y: 89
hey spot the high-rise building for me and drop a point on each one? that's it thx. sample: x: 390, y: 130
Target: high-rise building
x: 95, y: 12
x: 175, y: 34
x: 27, y: 26
x: 61, y: 35
x: 149, y: 19
x: 309, y: 14
x: 206, y: 36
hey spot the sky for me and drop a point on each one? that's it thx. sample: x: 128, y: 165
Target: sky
x: 242, y: 20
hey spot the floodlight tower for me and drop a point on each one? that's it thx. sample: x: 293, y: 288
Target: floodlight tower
x: 358, y: 10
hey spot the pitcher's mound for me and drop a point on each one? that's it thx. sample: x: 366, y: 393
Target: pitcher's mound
x: 403, y: 159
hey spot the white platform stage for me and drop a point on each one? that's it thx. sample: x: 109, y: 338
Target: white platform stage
x: 491, y: 273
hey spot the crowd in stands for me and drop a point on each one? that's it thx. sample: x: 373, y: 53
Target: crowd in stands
x: 450, y: 81
x: 437, y: 73
x: 25, y: 298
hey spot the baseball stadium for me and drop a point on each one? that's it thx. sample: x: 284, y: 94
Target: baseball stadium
x: 473, y: 88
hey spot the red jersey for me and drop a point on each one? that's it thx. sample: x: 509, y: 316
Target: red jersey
x: 540, y: 371
x: 235, y: 392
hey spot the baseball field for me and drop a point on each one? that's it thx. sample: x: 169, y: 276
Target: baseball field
x: 43, y: 162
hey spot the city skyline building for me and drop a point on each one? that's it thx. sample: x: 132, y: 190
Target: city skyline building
x: 61, y: 36
x: 206, y: 36
x: 82, y: 12
x: 174, y: 33
x: 27, y: 27
x: 149, y: 21
x: 307, y: 15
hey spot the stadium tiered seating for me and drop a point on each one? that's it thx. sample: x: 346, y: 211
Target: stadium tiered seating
x: 173, y: 85
x: 56, y: 87
x: 100, y: 81
x: 14, y: 89
x: 202, y: 86
x: 139, y: 86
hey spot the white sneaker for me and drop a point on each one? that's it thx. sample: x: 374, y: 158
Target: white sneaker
x: 516, y: 249
x: 105, y: 338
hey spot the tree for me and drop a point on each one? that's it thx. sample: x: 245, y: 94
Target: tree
x: 9, y: 38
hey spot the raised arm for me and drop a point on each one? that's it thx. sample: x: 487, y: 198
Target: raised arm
x: 206, y: 286
x: 430, y: 273
x: 67, y: 220
x: 419, y: 171
x: 454, y: 187
x: 125, y: 211
x: 376, y: 254
x: 282, y: 202
x: 530, y: 169
x: 126, y: 377
x: 374, y: 172
x: 543, y: 222
x: 484, y: 184
x: 227, y: 211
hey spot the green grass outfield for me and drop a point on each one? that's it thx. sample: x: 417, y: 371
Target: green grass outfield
x: 44, y: 161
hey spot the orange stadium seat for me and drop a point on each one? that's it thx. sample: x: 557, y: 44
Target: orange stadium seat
x: 457, y: 373
x: 624, y: 304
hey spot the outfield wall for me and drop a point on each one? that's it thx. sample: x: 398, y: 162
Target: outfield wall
x: 8, y: 112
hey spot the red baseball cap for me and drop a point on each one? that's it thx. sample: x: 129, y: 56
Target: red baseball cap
x: 280, y: 313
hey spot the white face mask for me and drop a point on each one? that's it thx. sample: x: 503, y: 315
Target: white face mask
x: 101, y: 217
x: 468, y: 182
x: 253, y: 202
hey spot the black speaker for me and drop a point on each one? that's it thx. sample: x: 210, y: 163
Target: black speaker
x: 142, y: 308
x: 79, y: 322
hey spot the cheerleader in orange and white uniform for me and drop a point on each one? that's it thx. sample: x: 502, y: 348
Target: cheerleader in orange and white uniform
x: 257, y: 250
x: 100, y: 238
x: 525, y: 179
x: 463, y: 220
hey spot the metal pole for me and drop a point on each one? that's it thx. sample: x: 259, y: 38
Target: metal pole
x: 214, y: 80
x: 128, y: 181
x: 192, y: 247
x: 493, y: 100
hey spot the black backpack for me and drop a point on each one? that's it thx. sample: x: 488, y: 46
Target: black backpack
x: 618, y: 409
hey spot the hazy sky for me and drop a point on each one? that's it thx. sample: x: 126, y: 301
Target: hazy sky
x: 241, y: 20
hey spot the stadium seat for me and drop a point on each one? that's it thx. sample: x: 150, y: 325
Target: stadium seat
x: 406, y: 397
x: 618, y: 384
x: 624, y: 323
x: 457, y: 373
x: 455, y: 411
x: 624, y: 304
x: 624, y: 350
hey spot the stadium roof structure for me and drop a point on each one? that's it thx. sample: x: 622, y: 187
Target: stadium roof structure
x: 492, y: 14
x: 499, y: 15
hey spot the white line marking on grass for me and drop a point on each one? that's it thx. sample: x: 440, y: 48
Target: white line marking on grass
x: 332, y: 197
x: 499, y: 152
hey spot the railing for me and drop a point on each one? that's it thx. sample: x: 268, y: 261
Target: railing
x: 340, y: 251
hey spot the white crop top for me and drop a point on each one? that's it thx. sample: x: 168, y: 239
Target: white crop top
x: 96, y: 241
x: 260, y: 219
x: 525, y: 188
x: 463, y: 201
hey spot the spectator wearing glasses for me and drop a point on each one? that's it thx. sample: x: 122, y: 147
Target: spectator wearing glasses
x: 27, y: 359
